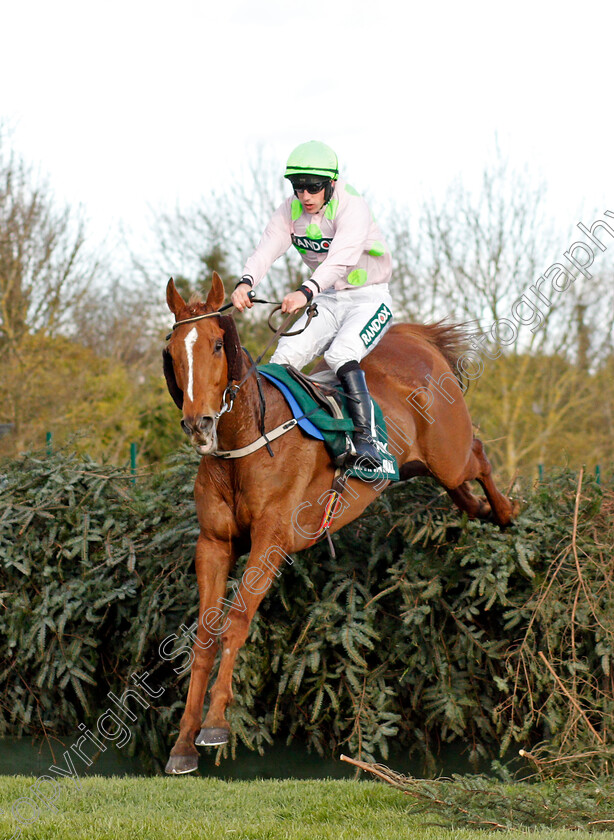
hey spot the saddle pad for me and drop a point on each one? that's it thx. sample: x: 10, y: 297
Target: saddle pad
x: 297, y: 412
x: 335, y: 432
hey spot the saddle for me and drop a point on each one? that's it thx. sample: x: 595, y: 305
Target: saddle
x: 323, y: 388
x: 319, y: 408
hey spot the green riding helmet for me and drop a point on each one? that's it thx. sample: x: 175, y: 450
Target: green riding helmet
x: 312, y: 158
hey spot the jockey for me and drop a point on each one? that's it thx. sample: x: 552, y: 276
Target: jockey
x: 333, y: 230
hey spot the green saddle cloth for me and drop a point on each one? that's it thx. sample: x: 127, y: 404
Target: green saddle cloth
x: 337, y: 432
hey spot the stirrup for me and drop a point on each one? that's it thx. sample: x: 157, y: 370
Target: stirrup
x: 365, y: 453
x: 349, y: 457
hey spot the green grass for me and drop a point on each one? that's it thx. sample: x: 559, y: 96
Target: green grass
x: 187, y: 808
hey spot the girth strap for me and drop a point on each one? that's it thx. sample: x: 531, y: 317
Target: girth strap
x: 330, y: 511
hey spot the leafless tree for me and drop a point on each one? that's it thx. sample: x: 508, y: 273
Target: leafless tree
x: 471, y: 258
x: 44, y: 272
x: 228, y: 224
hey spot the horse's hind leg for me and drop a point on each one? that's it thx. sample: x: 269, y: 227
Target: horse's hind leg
x: 504, y: 510
x: 495, y: 506
x: 498, y: 507
x: 467, y: 501
x: 461, y: 495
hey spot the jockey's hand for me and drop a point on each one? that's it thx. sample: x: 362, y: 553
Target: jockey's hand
x: 293, y: 302
x: 240, y: 297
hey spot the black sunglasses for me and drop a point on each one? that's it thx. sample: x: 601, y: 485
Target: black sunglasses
x: 312, y: 189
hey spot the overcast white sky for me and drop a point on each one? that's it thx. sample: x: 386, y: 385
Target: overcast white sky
x: 133, y: 104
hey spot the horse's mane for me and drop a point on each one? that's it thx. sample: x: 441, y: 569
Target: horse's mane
x: 196, y: 305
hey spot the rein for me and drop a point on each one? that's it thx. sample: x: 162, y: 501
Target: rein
x: 231, y: 390
x: 312, y: 311
x: 213, y: 314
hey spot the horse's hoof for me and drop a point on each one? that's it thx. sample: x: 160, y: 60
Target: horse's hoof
x: 516, y: 508
x: 212, y: 736
x: 178, y: 764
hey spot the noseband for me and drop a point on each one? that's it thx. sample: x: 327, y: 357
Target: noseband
x: 230, y: 391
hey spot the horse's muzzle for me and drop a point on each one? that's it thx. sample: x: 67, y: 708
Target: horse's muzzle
x: 202, y: 433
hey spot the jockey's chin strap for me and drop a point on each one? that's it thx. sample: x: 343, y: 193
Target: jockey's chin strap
x: 232, y: 388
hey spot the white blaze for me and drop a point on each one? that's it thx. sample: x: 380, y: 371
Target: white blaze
x: 190, y: 341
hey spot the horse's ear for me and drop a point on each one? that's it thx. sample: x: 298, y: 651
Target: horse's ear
x: 174, y: 300
x: 216, y: 295
x: 171, y: 383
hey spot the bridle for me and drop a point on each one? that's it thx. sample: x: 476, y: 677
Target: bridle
x: 312, y: 311
x: 198, y: 318
x: 232, y: 389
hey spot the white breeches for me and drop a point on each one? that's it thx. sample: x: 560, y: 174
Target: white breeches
x: 348, y: 325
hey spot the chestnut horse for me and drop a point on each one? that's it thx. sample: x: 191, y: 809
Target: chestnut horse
x: 272, y: 507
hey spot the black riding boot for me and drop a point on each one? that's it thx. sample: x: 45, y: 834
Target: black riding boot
x: 354, y: 384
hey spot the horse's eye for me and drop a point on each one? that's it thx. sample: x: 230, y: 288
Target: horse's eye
x: 218, y: 345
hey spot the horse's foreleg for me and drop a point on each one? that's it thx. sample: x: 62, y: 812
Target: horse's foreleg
x: 257, y: 578
x: 212, y: 566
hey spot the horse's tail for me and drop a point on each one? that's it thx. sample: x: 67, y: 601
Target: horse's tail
x: 452, y: 341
